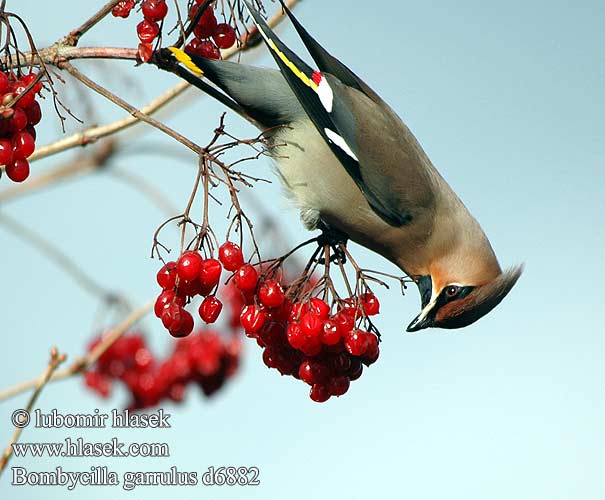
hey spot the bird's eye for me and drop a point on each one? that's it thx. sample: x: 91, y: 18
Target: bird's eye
x: 451, y: 291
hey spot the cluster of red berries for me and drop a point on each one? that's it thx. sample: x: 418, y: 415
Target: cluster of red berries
x: 190, y: 276
x: 17, y: 121
x: 208, y: 34
x: 305, y: 340
x: 154, y: 12
x: 204, y: 358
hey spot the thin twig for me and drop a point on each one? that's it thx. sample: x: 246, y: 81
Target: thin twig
x: 55, y: 360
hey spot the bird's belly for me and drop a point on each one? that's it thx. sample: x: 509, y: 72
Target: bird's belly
x: 323, y: 190
x: 313, y: 177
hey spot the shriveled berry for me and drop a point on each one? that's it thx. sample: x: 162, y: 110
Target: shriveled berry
x: 18, y: 170
x: 189, y: 266
x: 147, y: 31
x: 122, y: 8
x: 224, y: 36
x: 154, y: 10
x: 210, y: 272
x: 246, y: 278
x: 166, y: 276
x: 319, y: 393
x: 210, y: 309
x: 271, y: 294
x: 356, y: 342
x: 145, y: 51
x: 231, y: 256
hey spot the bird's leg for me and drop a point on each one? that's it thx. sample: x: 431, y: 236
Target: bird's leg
x: 333, y: 238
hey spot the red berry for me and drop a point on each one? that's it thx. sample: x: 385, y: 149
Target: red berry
x: 210, y: 272
x: 338, y: 385
x: 355, y: 370
x: 319, y: 307
x: 26, y: 99
x: 346, y: 322
x: 190, y: 288
x: 230, y: 256
x: 207, y: 23
x: 372, y: 351
x: 252, y: 319
x: 166, y: 276
x: 6, y: 151
x: 356, y: 342
x: 313, y: 372
x: 189, y: 266
x: 29, y: 78
x: 18, y: 170
x: 311, y: 325
x: 154, y: 10
x: 271, y: 294
x: 224, y: 36
x: 297, y: 311
x: 3, y: 82
x: 296, y: 338
x: 246, y: 278
x: 331, y: 332
x: 147, y: 31
x: 209, y: 50
x: 210, y: 308
x: 177, y: 320
x: 341, y: 363
x: 145, y: 51
x: 123, y: 8
x: 19, y: 120
x: 319, y: 393
x: 194, y: 47
x: 23, y: 145
x: 311, y: 346
x: 370, y: 304
x: 33, y: 113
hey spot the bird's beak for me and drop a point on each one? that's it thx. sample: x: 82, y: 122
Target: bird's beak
x: 423, y: 320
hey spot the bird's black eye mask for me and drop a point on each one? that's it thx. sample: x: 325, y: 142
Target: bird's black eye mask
x: 451, y: 293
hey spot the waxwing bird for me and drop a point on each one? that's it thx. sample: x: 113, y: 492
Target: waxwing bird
x: 350, y: 164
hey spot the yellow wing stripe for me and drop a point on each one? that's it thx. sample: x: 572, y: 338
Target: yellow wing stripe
x: 186, y: 61
x: 301, y: 76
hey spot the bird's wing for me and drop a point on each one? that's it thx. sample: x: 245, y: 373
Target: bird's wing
x: 326, y: 62
x: 347, y: 118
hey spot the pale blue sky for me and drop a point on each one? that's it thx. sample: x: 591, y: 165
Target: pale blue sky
x: 507, y: 101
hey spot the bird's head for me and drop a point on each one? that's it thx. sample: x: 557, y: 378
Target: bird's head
x: 456, y: 304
